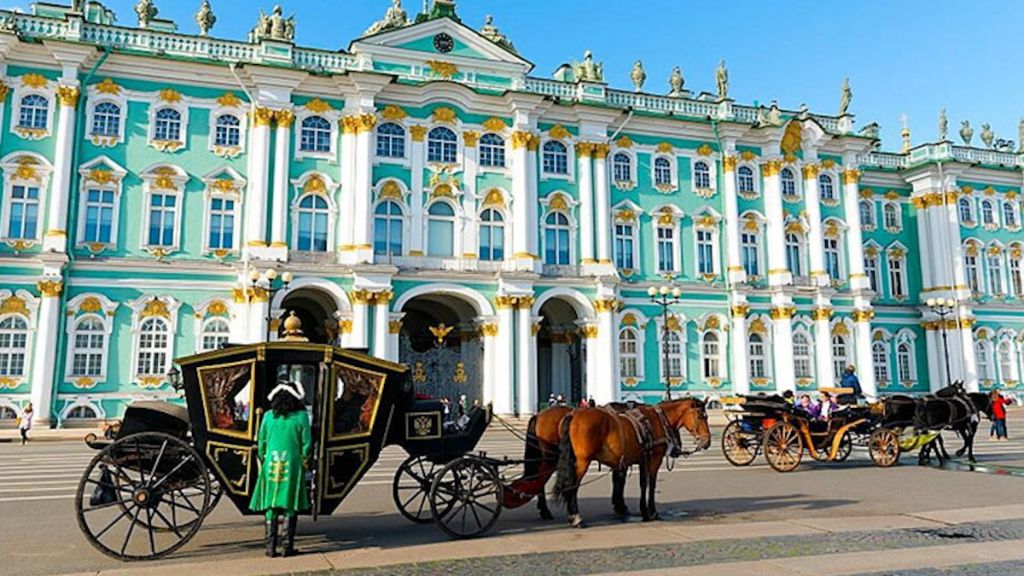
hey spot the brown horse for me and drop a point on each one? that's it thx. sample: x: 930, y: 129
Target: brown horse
x: 610, y: 437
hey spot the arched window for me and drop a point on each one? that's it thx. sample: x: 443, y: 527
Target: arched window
x: 7, y: 413
x: 897, y: 276
x: 441, y: 230
x: 315, y: 135
x: 794, y: 254
x: 34, y: 111
x: 1006, y: 363
x: 229, y: 131
x: 492, y: 235
x: 387, y: 229
x: 662, y: 171
x: 892, y: 216
x: 832, y: 258
x: 1009, y: 214
x: 154, y: 340
x: 701, y: 174
x: 826, y: 187
x: 168, y: 125
x: 623, y: 243
x: 867, y: 214
x: 839, y: 355
x: 106, y: 120
x: 788, y: 181
x: 556, y: 239
x: 81, y: 413
x: 622, y: 167
x: 314, y: 218
x: 390, y: 140
x: 23, y: 212
x: 745, y: 180
x: 984, y: 361
x: 710, y: 355
x: 988, y: 213
x: 802, y: 360
x: 994, y: 263
x: 756, y: 352
x: 964, y: 207
x: 750, y: 248
x: 880, y: 360
x: 13, y: 346
x: 555, y: 159
x: 89, y: 347
x: 673, y: 354
x: 442, y: 145
x: 1017, y: 271
x: 971, y: 269
x: 628, y: 354
x: 214, y: 335
x: 492, y: 151
x: 904, y: 363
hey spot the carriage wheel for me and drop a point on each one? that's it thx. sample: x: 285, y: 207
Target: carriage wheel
x: 143, y: 497
x: 845, y: 448
x: 884, y: 447
x: 783, y: 447
x: 216, y: 491
x: 465, y: 498
x: 411, y: 488
x: 740, y: 448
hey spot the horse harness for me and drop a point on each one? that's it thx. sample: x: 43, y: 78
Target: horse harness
x: 643, y: 427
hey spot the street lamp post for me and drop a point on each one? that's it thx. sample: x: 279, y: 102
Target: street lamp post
x: 943, y: 307
x: 664, y: 296
x: 267, y: 281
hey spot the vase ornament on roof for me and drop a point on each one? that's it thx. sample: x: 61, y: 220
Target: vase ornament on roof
x: 588, y: 70
x: 395, y: 17
x: 205, y: 18
x: 987, y: 135
x: 676, y: 83
x: 491, y: 32
x: 274, y: 27
x: 638, y: 76
x: 146, y: 11
x: 966, y: 132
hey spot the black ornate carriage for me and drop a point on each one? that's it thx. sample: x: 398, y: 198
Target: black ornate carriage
x: 147, y: 491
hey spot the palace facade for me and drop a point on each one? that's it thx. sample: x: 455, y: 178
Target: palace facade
x: 436, y: 202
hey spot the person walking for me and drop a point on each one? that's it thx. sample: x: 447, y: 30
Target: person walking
x: 283, y: 450
x: 999, y: 404
x: 25, y: 422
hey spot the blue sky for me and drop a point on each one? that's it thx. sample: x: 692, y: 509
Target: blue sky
x: 911, y: 57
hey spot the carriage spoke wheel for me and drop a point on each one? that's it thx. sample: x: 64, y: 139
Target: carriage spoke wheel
x: 411, y: 489
x: 740, y: 448
x: 845, y: 448
x: 143, y: 497
x: 783, y: 447
x: 884, y: 447
x: 465, y: 498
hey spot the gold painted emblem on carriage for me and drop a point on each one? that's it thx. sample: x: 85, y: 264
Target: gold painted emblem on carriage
x: 419, y: 373
x: 422, y: 426
x: 460, y: 376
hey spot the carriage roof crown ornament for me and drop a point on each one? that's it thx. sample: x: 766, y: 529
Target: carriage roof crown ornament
x: 293, y: 329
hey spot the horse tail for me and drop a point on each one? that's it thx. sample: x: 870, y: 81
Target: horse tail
x: 921, y: 415
x: 532, y: 453
x: 565, y: 479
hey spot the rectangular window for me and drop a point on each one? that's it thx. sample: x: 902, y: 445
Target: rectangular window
x: 896, y: 282
x: 99, y: 216
x: 666, y: 250
x: 222, y: 224
x: 23, y: 222
x: 162, y: 213
x: 624, y: 246
x: 871, y: 271
x: 749, y: 242
x: 705, y: 252
x: 832, y: 258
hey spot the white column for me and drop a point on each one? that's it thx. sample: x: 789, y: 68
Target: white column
x: 595, y: 379
x: 359, y: 338
x: 942, y: 275
x: 737, y: 274
x: 778, y: 273
x: 738, y: 349
x: 259, y: 310
x: 56, y: 237
x: 416, y: 156
x: 346, y: 234
x: 532, y: 242
x: 526, y: 351
x: 605, y: 389
x: 924, y: 244
x: 602, y: 203
x: 823, y: 347
x: 502, y: 355
x: 360, y: 216
x: 586, y: 196
x: 854, y: 237
x: 255, y: 203
x: 782, y: 348
x: 950, y: 225
x: 970, y: 361
x: 523, y: 146
x: 239, y: 326
x: 381, y: 317
x: 815, y: 247
x: 43, y: 361
x: 489, y: 333
x: 936, y: 363
x: 394, y: 336
x: 279, y: 200
x: 865, y: 366
x: 470, y: 168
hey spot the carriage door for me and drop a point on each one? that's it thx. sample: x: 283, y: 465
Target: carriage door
x: 351, y: 431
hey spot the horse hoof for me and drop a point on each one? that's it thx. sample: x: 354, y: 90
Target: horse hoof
x: 621, y: 511
x: 546, y: 515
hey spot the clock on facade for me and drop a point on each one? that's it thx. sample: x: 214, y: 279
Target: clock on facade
x: 443, y: 43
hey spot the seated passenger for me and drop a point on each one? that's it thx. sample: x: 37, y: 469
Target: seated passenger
x: 788, y: 396
x: 826, y: 406
x: 808, y: 406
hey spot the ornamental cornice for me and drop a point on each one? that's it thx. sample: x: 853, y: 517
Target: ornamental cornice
x: 69, y: 96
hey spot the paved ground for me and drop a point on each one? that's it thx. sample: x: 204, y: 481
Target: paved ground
x: 703, y: 495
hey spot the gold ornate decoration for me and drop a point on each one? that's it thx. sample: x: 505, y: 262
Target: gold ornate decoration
x: 822, y: 313
x: 589, y: 331
x: 747, y: 155
x: 791, y: 139
x: 102, y: 177
x: 871, y: 251
x: 558, y: 202
x: 795, y: 227
x: 584, y: 149
x: 712, y: 323
x: 90, y: 305
x: 217, y: 308
x: 625, y: 215
x: 663, y: 148
x: 783, y: 312
x: 391, y: 190
x: 68, y: 96
x: 489, y: 329
x: 494, y: 199
x: 170, y: 95
x: 150, y: 381
x: 108, y: 86
x: 831, y: 230
x: 866, y: 193
x: 771, y: 168
x: 34, y: 80
x: 225, y: 186
x: 419, y: 373
x: 863, y: 315
x: 495, y: 124
x: 972, y: 249
x: 444, y: 114
x: 314, y: 185
x: 19, y: 245
x: 558, y: 132
x: 418, y: 133
x: 809, y: 171
x: 521, y: 139
x: 167, y: 145
x: 470, y: 138
x: 606, y: 305
x: 989, y: 191
x: 263, y: 116
x: 751, y: 224
x: 442, y: 191
x: 729, y: 163
x: 394, y: 326
x: 535, y: 329
x: 828, y: 163
x: 705, y: 150
x: 891, y: 195
x: 229, y: 100
x: 50, y: 288
x: 4, y: 90
x: 629, y: 319
x: 757, y: 326
x: 441, y: 331
x: 896, y: 253
x: 851, y: 176
x: 393, y: 113
x: 164, y: 178
x: 918, y: 202
x: 460, y: 376
x: 601, y: 151
x: 14, y: 305
x: 318, y: 106
x: 26, y: 169
x: 445, y: 70
x: 83, y: 383
x: 155, y: 307
x: 624, y: 142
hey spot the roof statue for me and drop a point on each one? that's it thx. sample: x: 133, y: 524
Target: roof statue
x: 966, y: 132
x: 638, y: 76
x: 805, y: 111
x: 273, y: 27
x: 395, y: 17
x: 871, y: 131
x: 943, y: 125
x: 78, y: 5
x: 588, y: 70
x: 491, y: 32
x: 205, y: 18
x: 146, y: 12
x: 1020, y: 135
x: 987, y: 135
x: 845, y: 97
x: 774, y: 114
x: 676, y: 82
x: 722, y: 80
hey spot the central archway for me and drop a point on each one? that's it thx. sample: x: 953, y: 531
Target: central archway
x: 560, y: 354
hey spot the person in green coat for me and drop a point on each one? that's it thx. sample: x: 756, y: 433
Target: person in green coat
x: 284, y: 446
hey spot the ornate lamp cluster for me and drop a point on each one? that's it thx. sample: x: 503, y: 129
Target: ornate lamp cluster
x: 943, y: 307
x: 263, y: 286
x: 665, y: 296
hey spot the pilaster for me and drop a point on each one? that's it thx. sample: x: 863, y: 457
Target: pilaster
x: 824, y: 372
x: 605, y: 389
x: 489, y: 328
x: 279, y: 201
x: 470, y: 169
x: 736, y: 272
x: 865, y: 366
x: 258, y: 174
x: 417, y: 155
x: 815, y: 246
x: 56, y: 237
x: 524, y: 199
x: 43, y: 361
x: 602, y: 204
x: 782, y: 343
x: 738, y: 345
x: 526, y: 351
x: 778, y: 272
x: 584, y: 176
x: 854, y: 237
x: 504, y: 368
